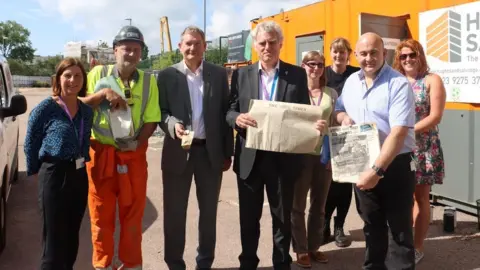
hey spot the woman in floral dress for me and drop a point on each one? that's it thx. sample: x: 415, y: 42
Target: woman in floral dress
x: 430, y: 98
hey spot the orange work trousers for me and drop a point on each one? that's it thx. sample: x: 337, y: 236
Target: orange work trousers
x: 116, y: 175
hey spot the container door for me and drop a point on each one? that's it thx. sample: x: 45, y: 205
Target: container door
x: 305, y: 44
x: 391, y: 29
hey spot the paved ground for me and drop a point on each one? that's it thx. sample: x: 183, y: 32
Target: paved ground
x: 457, y: 251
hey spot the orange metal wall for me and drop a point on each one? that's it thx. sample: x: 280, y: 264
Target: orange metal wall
x: 335, y: 18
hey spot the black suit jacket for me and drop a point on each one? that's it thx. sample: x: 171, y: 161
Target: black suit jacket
x: 176, y: 108
x: 292, y: 87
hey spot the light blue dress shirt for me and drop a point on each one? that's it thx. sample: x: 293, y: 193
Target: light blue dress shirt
x: 389, y: 102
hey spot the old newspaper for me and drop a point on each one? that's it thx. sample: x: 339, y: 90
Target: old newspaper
x: 353, y: 150
x: 285, y: 127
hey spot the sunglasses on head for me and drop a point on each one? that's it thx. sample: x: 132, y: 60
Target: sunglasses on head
x: 314, y: 64
x: 404, y: 56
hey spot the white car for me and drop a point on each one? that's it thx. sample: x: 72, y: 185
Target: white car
x: 11, y: 105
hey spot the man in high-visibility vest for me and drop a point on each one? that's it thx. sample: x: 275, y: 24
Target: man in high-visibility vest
x: 118, y: 167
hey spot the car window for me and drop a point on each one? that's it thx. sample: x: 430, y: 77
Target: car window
x: 3, y: 89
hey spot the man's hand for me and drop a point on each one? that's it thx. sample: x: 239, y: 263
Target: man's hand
x: 320, y: 125
x: 116, y: 101
x: 226, y: 164
x: 244, y: 120
x: 368, y: 180
x: 347, y: 121
x: 179, y: 130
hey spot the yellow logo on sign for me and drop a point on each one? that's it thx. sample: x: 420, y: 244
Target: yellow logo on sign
x: 444, y: 38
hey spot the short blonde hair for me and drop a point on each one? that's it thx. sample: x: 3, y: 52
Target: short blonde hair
x: 341, y: 44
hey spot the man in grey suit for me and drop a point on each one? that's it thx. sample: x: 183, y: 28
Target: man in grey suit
x: 268, y: 79
x: 194, y: 96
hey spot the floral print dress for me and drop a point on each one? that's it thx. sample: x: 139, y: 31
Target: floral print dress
x: 428, y: 153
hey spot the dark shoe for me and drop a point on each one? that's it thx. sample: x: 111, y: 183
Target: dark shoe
x: 198, y: 268
x: 341, y: 240
x: 303, y: 260
x: 319, y: 256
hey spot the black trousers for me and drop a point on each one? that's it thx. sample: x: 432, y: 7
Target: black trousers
x: 176, y: 190
x: 389, y: 206
x: 270, y: 173
x: 63, y: 193
x: 339, y: 197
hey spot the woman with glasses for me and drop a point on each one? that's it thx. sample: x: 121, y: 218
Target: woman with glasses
x: 314, y: 176
x: 430, y: 98
x: 340, y: 194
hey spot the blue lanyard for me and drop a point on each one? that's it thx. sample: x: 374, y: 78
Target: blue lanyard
x: 79, y: 136
x: 274, y: 84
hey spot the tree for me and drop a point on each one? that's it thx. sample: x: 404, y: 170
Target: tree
x: 102, y: 44
x: 216, y: 56
x: 167, y: 59
x: 24, y: 53
x: 15, y: 41
x: 145, y: 52
x: 44, y: 67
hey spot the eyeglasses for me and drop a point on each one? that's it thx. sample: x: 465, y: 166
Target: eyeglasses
x: 314, y: 64
x: 404, y: 56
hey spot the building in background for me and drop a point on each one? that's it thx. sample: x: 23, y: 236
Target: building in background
x: 89, y: 52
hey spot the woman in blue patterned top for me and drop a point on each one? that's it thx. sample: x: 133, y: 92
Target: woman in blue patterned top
x: 56, y: 149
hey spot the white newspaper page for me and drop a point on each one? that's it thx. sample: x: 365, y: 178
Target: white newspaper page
x: 353, y: 149
x: 285, y: 127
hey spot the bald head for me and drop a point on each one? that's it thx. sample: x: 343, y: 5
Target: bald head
x: 370, y: 53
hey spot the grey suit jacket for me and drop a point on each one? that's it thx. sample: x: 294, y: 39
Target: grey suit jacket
x: 292, y: 87
x: 176, y: 108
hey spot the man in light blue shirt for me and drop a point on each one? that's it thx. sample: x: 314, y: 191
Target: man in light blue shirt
x: 384, y: 192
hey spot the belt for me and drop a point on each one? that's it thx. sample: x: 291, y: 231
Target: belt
x: 196, y: 141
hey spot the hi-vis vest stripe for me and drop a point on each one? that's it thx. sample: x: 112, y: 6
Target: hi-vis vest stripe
x: 107, y: 132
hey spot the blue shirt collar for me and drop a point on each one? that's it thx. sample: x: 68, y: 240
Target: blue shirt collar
x: 361, y: 75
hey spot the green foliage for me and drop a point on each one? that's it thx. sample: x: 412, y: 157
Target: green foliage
x: 167, y: 59
x: 43, y: 67
x: 213, y: 55
x: 41, y: 84
x: 217, y: 55
x: 15, y: 41
x: 145, y: 53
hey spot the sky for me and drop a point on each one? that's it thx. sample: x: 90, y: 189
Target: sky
x: 53, y: 23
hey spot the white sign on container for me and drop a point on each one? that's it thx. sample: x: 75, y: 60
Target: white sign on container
x: 451, y: 39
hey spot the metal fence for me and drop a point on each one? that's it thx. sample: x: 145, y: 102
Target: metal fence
x: 29, y: 81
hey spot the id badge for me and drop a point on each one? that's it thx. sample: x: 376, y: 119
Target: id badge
x: 413, y: 166
x: 80, y: 163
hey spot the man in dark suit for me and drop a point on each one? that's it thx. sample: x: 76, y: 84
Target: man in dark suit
x: 268, y: 79
x: 193, y: 97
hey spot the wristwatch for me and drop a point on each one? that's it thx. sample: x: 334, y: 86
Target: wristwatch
x: 378, y: 171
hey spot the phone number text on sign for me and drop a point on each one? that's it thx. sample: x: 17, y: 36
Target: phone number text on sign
x: 459, y: 80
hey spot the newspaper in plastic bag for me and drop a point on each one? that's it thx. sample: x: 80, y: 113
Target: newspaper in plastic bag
x: 353, y: 149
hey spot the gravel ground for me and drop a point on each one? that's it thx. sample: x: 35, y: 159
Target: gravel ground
x: 457, y: 251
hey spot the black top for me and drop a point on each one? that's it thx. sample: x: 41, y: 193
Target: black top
x: 336, y: 81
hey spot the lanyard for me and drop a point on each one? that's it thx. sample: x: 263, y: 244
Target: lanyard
x: 274, y: 83
x: 80, y: 135
x: 319, y: 99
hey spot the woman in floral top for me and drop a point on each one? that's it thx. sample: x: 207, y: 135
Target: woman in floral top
x: 430, y: 98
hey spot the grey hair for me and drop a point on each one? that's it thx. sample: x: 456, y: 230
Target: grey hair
x: 268, y: 27
x: 193, y: 29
